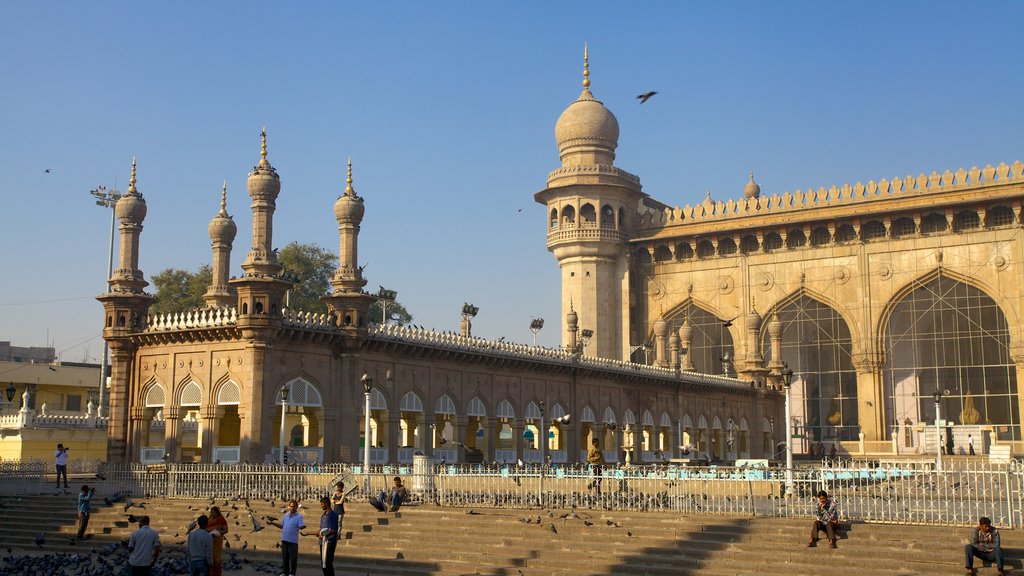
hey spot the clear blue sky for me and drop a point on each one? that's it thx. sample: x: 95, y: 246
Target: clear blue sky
x: 448, y: 111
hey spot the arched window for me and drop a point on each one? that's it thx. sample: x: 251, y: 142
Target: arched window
x: 554, y: 218
x: 532, y: 411
x: 662, y: 253
x: 587, y: 415
x: 191, y: 394
x: 948, y: 335
x: 710, y: 341
x: 229, y: 394
x: 902, y: 227
x: 444, y: 405
x: 820, y: 236
x: 772, y: 241
x: 796, y: 239
x: 967, y: 220
x: 301, y: 393
x: 683, y: 251
x: 569, y: 215
x: 816, y: 344
x: 873, y: 230
x: 726, y: 247
x: 1000, y: 216
x: 748, y: 244
x: 845, y: 233
x: 607, y: 217
x: 154, y: 397
x: 609, y: 416
x: 505, y: 409
x: 933, y: 222
x: 411, y: 403
x: 588, y: 215
x: 705, y: 249
x: 476, y: 408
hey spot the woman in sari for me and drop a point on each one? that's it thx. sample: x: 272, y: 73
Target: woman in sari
x: 218, y: 527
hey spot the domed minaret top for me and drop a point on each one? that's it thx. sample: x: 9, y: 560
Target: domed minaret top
x: 349, y: 207
x: 131, y: 207
x: 752, y: 189
x: 222, y: 228
x: 587, y: 133
x: 264, y: 183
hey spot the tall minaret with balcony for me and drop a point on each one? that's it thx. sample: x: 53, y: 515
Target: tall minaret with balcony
x: 347, y: 301
x: 262, y: 287
x: 591, y: 210
x: 222, y: 231
x: 125, y: 307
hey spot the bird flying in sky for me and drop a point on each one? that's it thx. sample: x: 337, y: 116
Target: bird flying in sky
x: 646, y: 96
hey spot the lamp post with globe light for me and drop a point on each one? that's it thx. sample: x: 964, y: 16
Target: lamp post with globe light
x: 284, y: 412
x: 938, y: 394
x: 367, y: 388
x: 787, y: 381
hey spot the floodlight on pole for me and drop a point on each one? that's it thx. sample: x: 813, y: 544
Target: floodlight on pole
x: 585, y: 335
x: 385, y: 296
x: 468, y: 313
x: 107, y: 199
x: 787, y: 382
x: 535, y: 326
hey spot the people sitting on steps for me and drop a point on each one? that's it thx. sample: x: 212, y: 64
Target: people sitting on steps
x: 984, y: 544
x: 391, y: 500
x: 827, y: 520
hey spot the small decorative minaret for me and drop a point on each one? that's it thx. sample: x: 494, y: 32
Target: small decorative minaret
x: 261, y: 289
x: 752, y: 189
x: 347, y: 301
x: 572, y: 330
x: 222, y: 231
x: 125, y: 308
x: 753, y: 365
x: 775, y: 364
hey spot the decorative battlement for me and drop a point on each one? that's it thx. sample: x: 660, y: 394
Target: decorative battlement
x: 27, y: 419
x: 834, y: 196
x: 453, y: 341
x: 199, y: 318
x: 306, y: 320
x: 593, y: 170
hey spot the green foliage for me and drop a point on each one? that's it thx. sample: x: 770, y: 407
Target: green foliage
x: 396, y: 313
x: 180, y: 290
x: 314, y: 266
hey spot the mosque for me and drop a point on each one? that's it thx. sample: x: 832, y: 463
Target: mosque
x: 887, y: 301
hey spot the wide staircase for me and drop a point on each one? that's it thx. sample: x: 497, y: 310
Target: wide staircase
x: 430, y: 540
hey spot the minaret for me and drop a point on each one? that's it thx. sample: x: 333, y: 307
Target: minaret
x: 591, y: 207
x: 222, y: 231
x: 347, y: 301
x: 261, y: 289
x: 125, y: 307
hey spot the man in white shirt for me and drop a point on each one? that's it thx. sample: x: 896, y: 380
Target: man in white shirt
x: 61, y: 456
x: 143, y: 548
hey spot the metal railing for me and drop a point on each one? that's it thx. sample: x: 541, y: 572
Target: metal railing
x: 896, y: 491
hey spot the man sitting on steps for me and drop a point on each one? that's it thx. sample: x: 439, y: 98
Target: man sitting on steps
x: 391, y: 500
x: 827, y: 519
x: 984, y: 544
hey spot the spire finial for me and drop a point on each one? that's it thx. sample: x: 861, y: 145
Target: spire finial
x: 224, y: 199
x: 753, y: 302
x: 751, y: 175
x: 263, y: 146
x: 586, y: 66
x: 131, y: 181
x: 349, y: 191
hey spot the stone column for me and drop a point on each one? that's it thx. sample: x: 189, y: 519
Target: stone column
x: 518, y: 425
x: 426, y: 433
x: 117, y: 423
x: 172, y: 429
x: 394, y: 422
x: 491, y: 427
x: 571, y: 442
x: 673, y: 345
x: 459, y: 433
x: 209, y: 432
x: 870, y: 414
x: 137, y: 432
x: 1017, y: 355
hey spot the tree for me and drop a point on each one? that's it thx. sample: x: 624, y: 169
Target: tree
x: 314, y: 266
x: 396, y: 313
x: 180, y: 290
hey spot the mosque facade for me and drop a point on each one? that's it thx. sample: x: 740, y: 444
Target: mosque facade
x: 677, y: 325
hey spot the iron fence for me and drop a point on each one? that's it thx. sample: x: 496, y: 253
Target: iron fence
x: 897, y: 491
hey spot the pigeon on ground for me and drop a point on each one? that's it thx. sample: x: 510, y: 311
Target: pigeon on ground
x: 553, y: 529
x: 40, y: 539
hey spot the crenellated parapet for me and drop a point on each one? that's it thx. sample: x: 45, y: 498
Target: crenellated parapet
x: 948, y: 181
x: 192, y: 319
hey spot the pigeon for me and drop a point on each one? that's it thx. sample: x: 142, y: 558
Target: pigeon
x: 727, y: 323
x: 538, y: 519
x: 646, y: 96
x: 40, y: 539
x: 128, y: 503
x: 132, y: 519
x: 588, y: 523
x: 628, y: 533
x: 553, y: 529
x: 256, y: 525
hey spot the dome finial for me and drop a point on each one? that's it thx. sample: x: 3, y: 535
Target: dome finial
x: 586, y: 66
x: 224, y: 199
x: 131, y: 181
x: 349, y: 191
x: 263, y: 146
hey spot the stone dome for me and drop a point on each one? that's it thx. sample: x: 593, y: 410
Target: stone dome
x: 264, y: 183
x: 349, y: 207
x: 222, y: 227
x: 132, y: 206
x: 752, y: 189
x: 587, y: 130
x: 753, y: 320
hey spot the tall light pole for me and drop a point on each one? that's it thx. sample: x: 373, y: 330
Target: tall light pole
x: 938, y: 394
x: 585, y: 335
x: 107, y: 199
x: 284, y: 412
x: 468, y: 313
x: 787, y: 381
x: 367, y: 388
x: 535, y: 326
x: 385, y: 296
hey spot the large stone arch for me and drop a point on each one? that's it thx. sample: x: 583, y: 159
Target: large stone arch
x: 945, y: 333
x: 817, y: 343
x: 710, y: 339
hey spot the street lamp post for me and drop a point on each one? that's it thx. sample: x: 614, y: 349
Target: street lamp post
x: 367, y: 388
x: 284, y: 412
x: 535, y: 326
x: 938, y: 394
x: 787, y: 381
x: 107, y: 199
x: 585, y: 335
x: 771, y: 435
x: 468, y: 313
x: 9, y: 391
x: 385, y: 296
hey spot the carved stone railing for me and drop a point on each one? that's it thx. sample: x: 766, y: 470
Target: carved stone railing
x: 457, y: 342
x: 29, y: 419
x: 306, y: 320
x: 570, y: 232
x: 593, y: 170
x: 198, y: 318
x: 835, y: 196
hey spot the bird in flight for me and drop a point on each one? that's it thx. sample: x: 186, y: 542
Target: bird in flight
x: 646, y: 96
x: 47, y: 171
x: 727, y: 323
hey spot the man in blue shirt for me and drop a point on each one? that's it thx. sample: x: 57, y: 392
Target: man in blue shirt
x: 84, y: 509
x: 291, y: 524
x: 200, y: 549
x: 328, y: 536
x: 143, y: 548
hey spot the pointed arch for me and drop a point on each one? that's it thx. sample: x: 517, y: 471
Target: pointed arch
x: 154, y: 396
x: 229, y: 394
x: 587, y: 415
x: 505, y: 409
x: 557, y: 411
x: 444, y: 405
x: 377, y: 400
x: 532, y: 411
x: 716, y: 424
x: 629, y: 418
x: 411, y: 402
x: 743, y: 425
x: 476, y: 408
x: 609, y: 415
x: 711, y: 339
x: 302, y: 392
x: 666, y: 422
x: 648, y: 418
x: 702, y: 422
x: 191, y: 394
x: 687, y: 423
